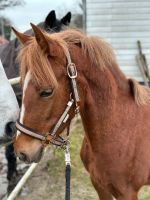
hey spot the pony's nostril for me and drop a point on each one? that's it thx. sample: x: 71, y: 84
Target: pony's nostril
x: 10, y: 129
x: 23, y: 157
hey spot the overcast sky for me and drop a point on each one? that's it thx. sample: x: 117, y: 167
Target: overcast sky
x: 36, y: 10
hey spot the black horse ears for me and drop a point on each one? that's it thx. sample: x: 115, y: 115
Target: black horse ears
x: 66, y: 19
x: 50, y: 19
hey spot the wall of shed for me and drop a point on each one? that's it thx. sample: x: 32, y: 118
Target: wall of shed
x: 121, y: 23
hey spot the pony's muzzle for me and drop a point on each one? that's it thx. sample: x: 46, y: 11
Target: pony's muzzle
x: 28, y: 153
x: 27, y: 158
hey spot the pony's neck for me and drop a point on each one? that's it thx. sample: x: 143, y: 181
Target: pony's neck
x: 100, y: 90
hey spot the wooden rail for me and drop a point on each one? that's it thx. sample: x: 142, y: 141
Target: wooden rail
x: 14, y: 81
x: 22, y: 182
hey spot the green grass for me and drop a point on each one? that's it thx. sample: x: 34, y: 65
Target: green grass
x: 81, y: 187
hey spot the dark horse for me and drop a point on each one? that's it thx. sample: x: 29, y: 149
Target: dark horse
x: 8, y: 54
x: 115, y: 111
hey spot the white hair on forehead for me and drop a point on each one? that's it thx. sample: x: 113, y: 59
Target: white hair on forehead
x: 9, y: 109
x: 26, y: 82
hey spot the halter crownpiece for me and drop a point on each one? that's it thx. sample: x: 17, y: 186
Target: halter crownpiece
x: 52, y: 137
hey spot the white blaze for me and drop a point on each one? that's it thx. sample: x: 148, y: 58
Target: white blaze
x: 26, y: 82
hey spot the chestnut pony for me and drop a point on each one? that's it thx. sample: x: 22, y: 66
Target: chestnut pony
x: 115, y: 111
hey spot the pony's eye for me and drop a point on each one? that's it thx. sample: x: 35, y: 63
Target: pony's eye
x: 46, y: 93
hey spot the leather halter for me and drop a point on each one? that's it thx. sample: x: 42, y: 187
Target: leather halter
x: 52, y: 137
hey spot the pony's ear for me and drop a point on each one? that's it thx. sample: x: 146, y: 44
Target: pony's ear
x: 66, y: 19
x: 40, y: 38
x: 50, y: 19
x: 46, y: 45
x: 22, y: 37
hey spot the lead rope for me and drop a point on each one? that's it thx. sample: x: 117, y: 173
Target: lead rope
x: 72, y: 73
x: 67, y: 173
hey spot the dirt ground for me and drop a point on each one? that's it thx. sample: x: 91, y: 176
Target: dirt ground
x: 3, y: 173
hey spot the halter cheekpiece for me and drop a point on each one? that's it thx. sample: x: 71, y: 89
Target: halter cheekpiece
x: 52, y: 137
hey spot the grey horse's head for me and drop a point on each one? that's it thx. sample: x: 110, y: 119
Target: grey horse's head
x: 9, y: 108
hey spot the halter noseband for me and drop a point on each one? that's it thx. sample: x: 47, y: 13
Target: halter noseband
x: 51, y: 137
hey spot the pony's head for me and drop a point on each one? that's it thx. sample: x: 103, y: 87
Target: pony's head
x: 46, y: 90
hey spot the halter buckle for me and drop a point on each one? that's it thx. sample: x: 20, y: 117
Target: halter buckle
x: 71, y: 70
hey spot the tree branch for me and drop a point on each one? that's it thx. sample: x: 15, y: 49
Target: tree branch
x: 10, y: 3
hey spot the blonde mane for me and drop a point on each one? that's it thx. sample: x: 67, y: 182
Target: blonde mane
x: 141, y: 93
x: 98, y: 51
x: 32, y: 59
x: 95, y: 48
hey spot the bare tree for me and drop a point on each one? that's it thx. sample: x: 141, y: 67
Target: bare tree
x: 5, y: 27
x: 5, y: 23
x: 10, y: 3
